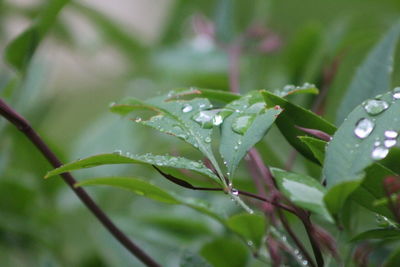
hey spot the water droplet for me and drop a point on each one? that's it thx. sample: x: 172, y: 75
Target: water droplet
x: 117, y: 152
x: 138, y: 119
x: 112, y: 104
x: 379, y: 152
x: 234, y: 192
x: 187, y: 108
x: 225, y: 162
x: 391, y: 134
x: 204, y: 118
x: 217, y: 120
x: 375, y: 106
x: 228, y: 173
x: 250, y: 243
x: 304, y: 262
x: 396, y: 93
x: 207, y: 139
x: 363, y: 128
x: 239, y: 142
x: 236, y: 148
x: 202, y: 105
x: 390, y: 143
x: 377, y: 143
x: 296, y: 251
x: 242, y: 123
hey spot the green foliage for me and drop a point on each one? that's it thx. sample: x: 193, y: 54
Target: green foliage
x: 341, y: 197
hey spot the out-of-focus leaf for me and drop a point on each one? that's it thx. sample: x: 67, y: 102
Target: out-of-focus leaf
x: 190, y: 259
x: 293, y: 116
x: 140, y: 187
x: 250, y: 226
x: 19, y: 52
x: 302, y: 190
x: 373, y: 76
x: 317, y: 147
x: 359, y: 142
x: 144, y: 188
x: 164, y: 161
x: 225, y: 252
x: 381, y: 234
x: 249, y: 121
x: 112, y: 31
x: 393, y: 260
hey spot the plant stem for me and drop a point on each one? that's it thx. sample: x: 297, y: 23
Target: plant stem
x: 22, y: 124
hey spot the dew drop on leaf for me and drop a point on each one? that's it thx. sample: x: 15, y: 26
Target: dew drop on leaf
x: 391, y: 134
x: 396, y: 93
x: 234, y: 192
x: 217, y: 120
x: 364, y: 128
x: 187, y: 108
x: 375, y: 106
x: 242, y: 123
x: 390, y: 143
x: 207, y: 139
x: 379, y: 152
x: 204, y: 118
x: 117, y: 152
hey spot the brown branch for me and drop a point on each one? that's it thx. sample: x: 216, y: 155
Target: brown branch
x: 18, y: 121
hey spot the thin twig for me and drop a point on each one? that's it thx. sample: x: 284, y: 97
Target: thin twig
x: 22, y: 124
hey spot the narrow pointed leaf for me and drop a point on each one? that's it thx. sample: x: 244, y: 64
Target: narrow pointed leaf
x: 139, y: 187
x: 373, y: 76
x: 145, y: 188
x: 360, y: 142
x: 306, y: 88
x: 381, y: 234
x: 316, y: 146
x: 302, y: 190
x: 164, y: 161
x: 293, y: 116
x: 249, y: 121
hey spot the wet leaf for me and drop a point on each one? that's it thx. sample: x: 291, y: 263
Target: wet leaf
x: 249, y: 121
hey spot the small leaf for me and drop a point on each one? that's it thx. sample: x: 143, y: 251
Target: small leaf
x: 302, y: 190
x: 225, y: 252
x: 316, y: 146
x: 249, y: 121
x: 19, y: 52
x: 381, y: 234
x: 139, y: 187
x: 373, y: 76
x: 250, y: 226
x: 148, y: 159
x: 293, y: 116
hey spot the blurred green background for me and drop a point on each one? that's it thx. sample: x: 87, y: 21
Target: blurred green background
x: 98, y: 51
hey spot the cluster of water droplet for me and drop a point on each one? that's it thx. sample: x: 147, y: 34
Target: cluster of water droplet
x: 287, y: 89
x: 300, y: 258
x: 365, y: 126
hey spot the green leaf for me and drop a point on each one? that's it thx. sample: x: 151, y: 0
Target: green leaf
x: 19, y: 52
x: 306, y: 88
x: 373, y: 76
x: 249, y: 121
x: 381, y: 234
x: 317, y: 147
x: 191, y: 121
x: 293, y: 116
x: 164, y: 161
x: 217, y: 95
x: 251, y: 227
x: 139, y: 187
x: 347, y: 156
x: 302, y: 190
x: 225, y: 252
x: 190, y: 259
x: 144, y: 188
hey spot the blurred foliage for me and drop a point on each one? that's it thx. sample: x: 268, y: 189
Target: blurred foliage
x: 65, y: 87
